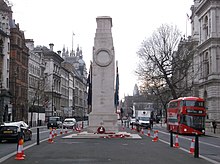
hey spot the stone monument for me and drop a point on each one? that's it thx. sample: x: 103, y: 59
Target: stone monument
x: 103, y: 76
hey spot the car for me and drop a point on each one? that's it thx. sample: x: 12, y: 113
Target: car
x: 54, y: 122
x: 69, y: 123
x: 9, y: 131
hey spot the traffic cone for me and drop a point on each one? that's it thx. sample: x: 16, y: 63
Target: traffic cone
x: 55, y: 132
x: 50, y: 140
x: 176, y: 145
x: 61, y: 131
x: 22, y: 148
x: 148, y: 132
x: 155, y: 139
x: 192, y: 147
x: 142, y: 131
x: 157, y: 134
x: 53, y: 136
x: 66, y: 130
x: 19, y: 155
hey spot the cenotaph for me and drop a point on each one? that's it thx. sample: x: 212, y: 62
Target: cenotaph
x: 103, y: 76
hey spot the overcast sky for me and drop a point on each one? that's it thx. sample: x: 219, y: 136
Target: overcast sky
x: 54, y: 21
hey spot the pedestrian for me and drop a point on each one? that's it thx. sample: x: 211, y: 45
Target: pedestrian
x: 151, y: 123
x: 214, y: 125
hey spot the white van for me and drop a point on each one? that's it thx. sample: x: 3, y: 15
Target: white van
x: 69, y: 123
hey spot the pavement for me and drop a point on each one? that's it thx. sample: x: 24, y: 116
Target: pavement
x: 105, y: 151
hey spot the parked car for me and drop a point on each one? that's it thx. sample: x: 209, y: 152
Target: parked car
x: 69, y: 123
x: 54, y: 122
x: 10, y: 131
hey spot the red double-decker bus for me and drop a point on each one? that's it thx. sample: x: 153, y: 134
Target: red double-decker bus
x: 186, y: 115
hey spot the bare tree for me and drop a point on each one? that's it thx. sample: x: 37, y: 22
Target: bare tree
x: 163, y: 70
x: 38, y: 98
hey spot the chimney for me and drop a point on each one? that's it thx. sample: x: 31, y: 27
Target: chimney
x: 59, y: 53
x: 51, y: 46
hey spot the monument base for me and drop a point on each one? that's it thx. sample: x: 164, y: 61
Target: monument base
x: 106, y: 120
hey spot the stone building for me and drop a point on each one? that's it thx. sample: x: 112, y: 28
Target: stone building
x: 52, y: 74
x: 36, y: 115
x: 5, y: 96
x: 67, y: 89
x: 18, y: 73
x: 79, y: 71
x: 205, y: 20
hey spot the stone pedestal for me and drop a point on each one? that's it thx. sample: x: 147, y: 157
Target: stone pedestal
x: 103, y: 79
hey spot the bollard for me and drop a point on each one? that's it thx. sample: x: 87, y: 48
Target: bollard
x: 196, y: 153
x: 171, y: 138
x: 38, y: 137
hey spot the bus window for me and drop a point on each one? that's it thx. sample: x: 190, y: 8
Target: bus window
x: 193, y: 121
x: 194, y: 103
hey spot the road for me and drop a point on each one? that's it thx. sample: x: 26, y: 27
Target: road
x: 209, y: 147
x: 114, y: 150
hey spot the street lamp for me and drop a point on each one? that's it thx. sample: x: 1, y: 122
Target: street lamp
x: 52, y: 97
x: 38, y: 103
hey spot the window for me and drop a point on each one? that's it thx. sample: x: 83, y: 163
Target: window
x: 206, y: 64
x: 194, y: 103
x: 1, y: 46
x: 173, y: 104
x: 206, y: 28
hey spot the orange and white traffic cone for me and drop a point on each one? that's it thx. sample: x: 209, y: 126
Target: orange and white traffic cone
x: 142, y: 131
x: 155, y: 139
x: 61, y: 131
x: 55, y: 132
x: 19, y: 155
x: 176, y: 145
x: 50, y: 140
x: 52, y: 132
x: 148, y: 132
x: 22, y: 148
x: 192, y: 147
x: 78, y: 129
x: 157, y: 135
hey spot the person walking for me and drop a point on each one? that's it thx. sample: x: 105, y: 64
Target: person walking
x: 214, y: 125
x: 151, y: 123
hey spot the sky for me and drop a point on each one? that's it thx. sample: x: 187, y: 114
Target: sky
x: 54, y: 21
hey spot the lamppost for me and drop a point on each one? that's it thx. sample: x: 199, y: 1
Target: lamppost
x: 52, y: 98
x: 14, y: 109
x: 38, y: 103
x: 1, y: 103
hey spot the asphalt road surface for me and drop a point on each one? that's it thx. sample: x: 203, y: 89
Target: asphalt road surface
x: 105, y: 151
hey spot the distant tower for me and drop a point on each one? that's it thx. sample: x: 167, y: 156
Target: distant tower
x: 136, y: 90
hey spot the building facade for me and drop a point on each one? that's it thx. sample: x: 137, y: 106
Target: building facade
x: 80, y: 107
x: 206, y: 31
x: 52, y: 74
x: 18, y: 72
x: 36, y: 67
x: 5, y: 96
